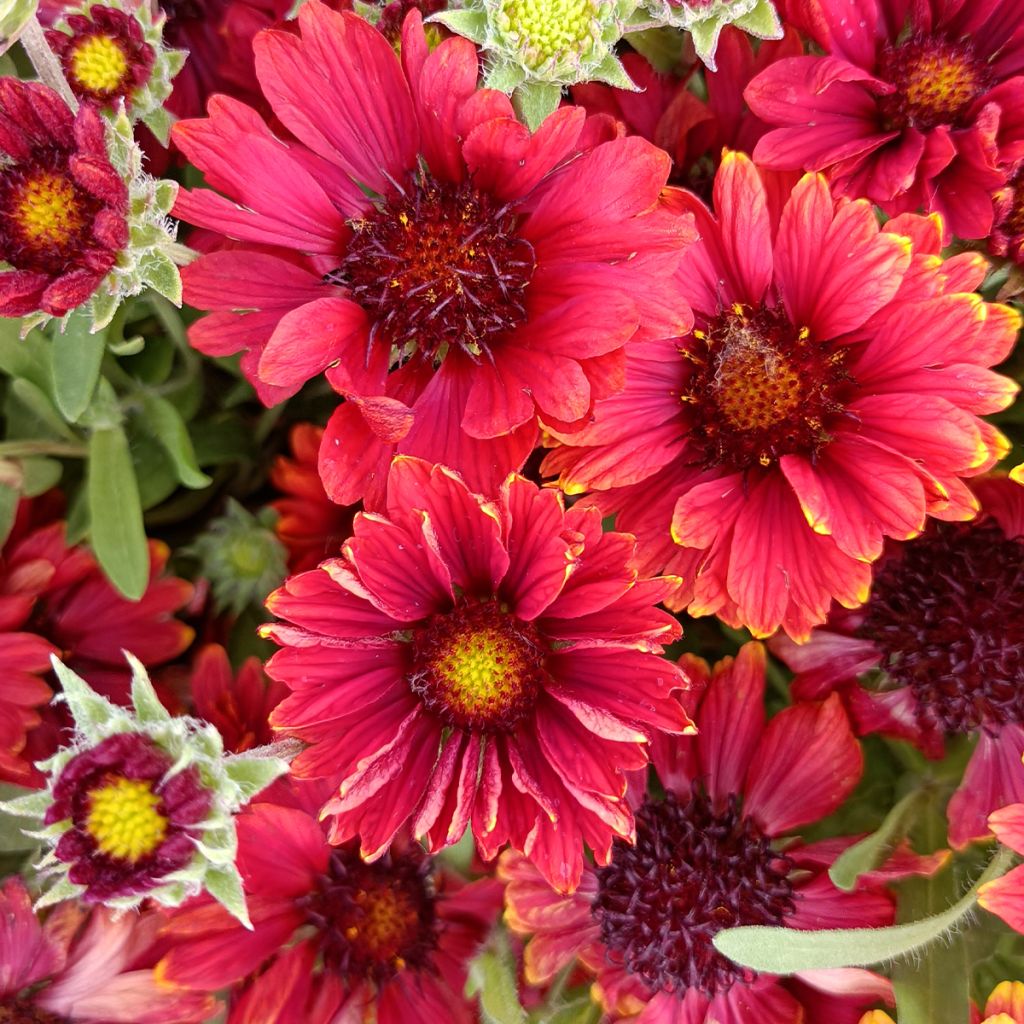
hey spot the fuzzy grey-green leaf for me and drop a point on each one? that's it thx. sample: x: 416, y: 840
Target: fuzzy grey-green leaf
x: 77, y: 354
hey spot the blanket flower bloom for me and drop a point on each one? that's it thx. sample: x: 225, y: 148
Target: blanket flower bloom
x: 715, y: 852
x: 309, y: 524
x: 927, y: 115
x: 90, y: 966
x: 395, y: 935
x: 141, y: 805
x: 451, y: 273
x: 828, y: 397
x: 938, y: 651
x: 1005, y: 896
x: 475, y: 663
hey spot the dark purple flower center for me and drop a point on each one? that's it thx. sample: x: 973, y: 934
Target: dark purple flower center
x: 759, y: 388
x: 948, y: 617
x: 22, y: 1011
x: 374, y: 920
x: 936, y: 82
x: 478, y: 667
x: 695, y: 869
x: 438, y: 266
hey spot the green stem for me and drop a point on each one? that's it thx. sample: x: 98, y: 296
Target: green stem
x: 27, y: 449
x: 33, y: 40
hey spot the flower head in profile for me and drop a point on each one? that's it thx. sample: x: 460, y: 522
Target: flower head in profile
x: 717, y: 851
x: 828, y: 397
x: 392, y: 938
x: 113, y: 52
x: 141, y: 805
x: 89, y: 965
x: 705, y: 19
x: 451, y: 274
x: 913, y: 106
x: 79, y: 221
x: 473, y: 663
x: 535, y: 47
x: 938, y: 651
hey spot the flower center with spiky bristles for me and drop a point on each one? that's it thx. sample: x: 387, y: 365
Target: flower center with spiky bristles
x: 375, y: 920
x: 125, y: 818
x: 550, y: 30
x: 436, y: 266
x: 46, y: 211
x: 22, y: 1011
x: 695, y: 869
x: 759, y: 388
x: 948, y: 616
x: 98, y: 65
x: 936, y: 82
x: 478, y: 667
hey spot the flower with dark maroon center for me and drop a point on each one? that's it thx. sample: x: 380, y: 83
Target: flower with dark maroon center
x: 374, y: 920
x: 104, y: 54
x: 63, y: 207
x: 938, y: 651
x: 694, y: 870
x: 132, y: 821
x: 715, y: 852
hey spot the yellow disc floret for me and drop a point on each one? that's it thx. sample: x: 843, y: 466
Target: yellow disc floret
x: 548, y: 30
x: 125, y: 818
x: 757, y: 386
x: 99, y: 64
x: 46, y: 210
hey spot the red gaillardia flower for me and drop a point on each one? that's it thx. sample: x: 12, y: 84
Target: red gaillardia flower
x: 309, y: 524
x: 938, y: 651
x: 717, y: 852
x: 54, y: 599
x: 911, y: 105
x: 828, y: 398
x: 104, y: 54
x: 394, y: 936
x: 63, y: 207
x: 452, y: 274
x: 1005, y: 896
x: 475, y: 663
x: 90, y: 967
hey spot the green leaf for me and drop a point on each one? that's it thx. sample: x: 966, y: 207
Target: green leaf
x: 492, y: 976
x: 872, y: 850
x: 933, y: 988
x: 39, y: 475
x: 168, y: 428
x: 225, y: 886
x: 253, y: 774
x: 87, y: 707
x: 504, y: 76
x: 77, y: 355
x: 762, y: 22
x: 471, y: 24
x: 160, y: 272
x: 8, y: 507
x: 36, y: 403
x: 663, y: 47
x: 787, y: 950
x: 147, y: 704
x: 117, y: 535
x: 24, y: 357
x: 611, y: 72
x: 534, y: 101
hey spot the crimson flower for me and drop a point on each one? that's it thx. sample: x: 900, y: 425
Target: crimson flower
x: 717, y: 852
x: 911, y: 105
x: 309, y: 524
x: 938, y: 651
x: 475, y: 663
x: 452, y: 274
x: 1005, y: 896
x: 394, y: 936
x: 54, y: 599
x: 90, y: 967
x: 828, y: 397
x: 63, y: 207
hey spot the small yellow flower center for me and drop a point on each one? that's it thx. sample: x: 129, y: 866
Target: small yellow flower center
x: 478, y: 667
x: 383, y: 922
x: 47, y: 210
x: 125, y: 819
x: 546, y: 30
x: 99, y: 64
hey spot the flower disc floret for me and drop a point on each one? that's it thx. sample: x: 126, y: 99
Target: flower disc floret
x: 551, y: 32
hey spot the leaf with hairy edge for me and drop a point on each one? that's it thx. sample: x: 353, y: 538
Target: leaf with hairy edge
x: 492, y: 976
x: 787, y: 950
x: 116, y: 532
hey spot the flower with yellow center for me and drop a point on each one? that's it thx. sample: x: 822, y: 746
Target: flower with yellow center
x: 98, y: 64
x: 47, y: 211
x: 125, y: 818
